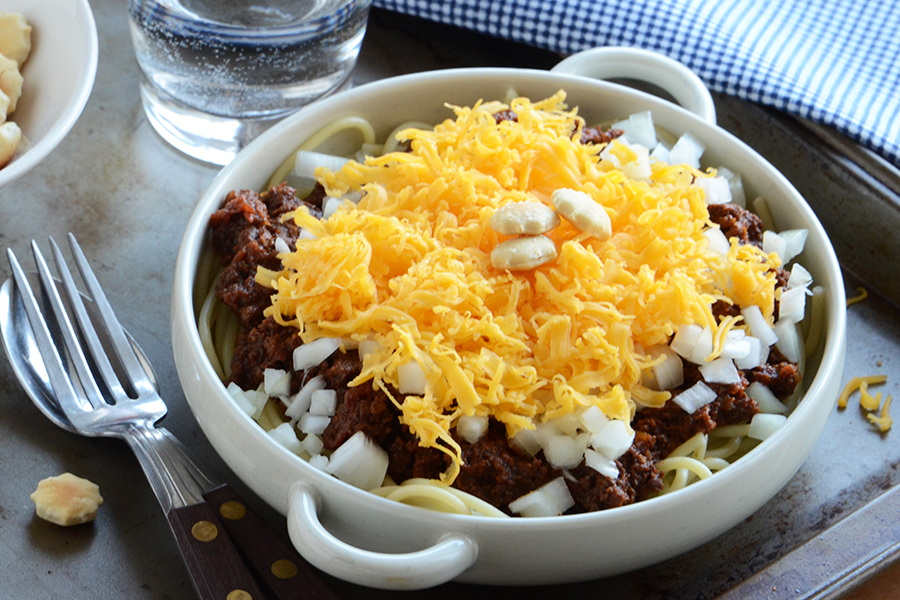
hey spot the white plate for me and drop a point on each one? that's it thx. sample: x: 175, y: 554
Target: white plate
x: 59, y: 75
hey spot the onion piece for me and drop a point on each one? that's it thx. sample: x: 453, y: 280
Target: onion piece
x: 313, y: 444
x: 764, y: 425
x: 758, y: 325
x: 603, y: 465
x: 250, y: 401
x: 367, y: 347
x: 736, y: 184
x: 715, y: 189
x: 318, y: 461
x: 323, y: 403
x: 303, y: 176
x: 694, y: 397
x: 789, y: 341
x: 718, y: 243
x: 472, y: 427
x: 736, y: 345
x: 411, y: 378
x: 799, y: 277
x: 720, y: 370
x: 276, y: 382
x: 765, y: 399
x: 549, y: 500
x: 757, y: 355
x: 774, y: 243
x: 638, y: 169
x: 593, y: 419
x: 661, y: 153
x: 563, y: 451
x: 301, y: 401
x: 310, y: 423
x: 285, y: 435
x: 669, y: 374
x: 613, y: 440
x: 314, y: 353
x: 639, y: 128
x: 792, y: 305
x: 686, y: 339
x: 687, y: 150
x: 527, y: 441
x: 360, y: 462
x: 281, y: 246
x: 794, y: 241
x: 330, y: 207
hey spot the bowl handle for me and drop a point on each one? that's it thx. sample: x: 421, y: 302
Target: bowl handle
x: 451, y: 555
x: 672, y: 76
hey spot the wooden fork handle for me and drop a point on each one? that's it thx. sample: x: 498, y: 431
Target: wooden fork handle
x: 216, y: 567
x: 285, y: 574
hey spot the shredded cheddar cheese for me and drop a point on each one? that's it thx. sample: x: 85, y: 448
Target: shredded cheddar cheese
x: 409, y: 267
x: 856, y: 383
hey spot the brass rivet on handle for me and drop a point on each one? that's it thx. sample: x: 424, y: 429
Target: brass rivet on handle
x: 204, y: 531
x: 238, y: 595
x: 284, y: 569
x: 232, y: 510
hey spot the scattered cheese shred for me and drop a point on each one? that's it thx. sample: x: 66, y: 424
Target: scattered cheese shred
x: 856, y: 383
x: 409, y: 267
x: 883, y: 421
x: 863, y: 294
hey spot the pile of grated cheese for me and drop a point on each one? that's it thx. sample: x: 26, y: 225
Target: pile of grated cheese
x: 409, y: 269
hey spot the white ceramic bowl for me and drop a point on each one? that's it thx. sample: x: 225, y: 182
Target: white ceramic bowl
x: 59, y: 75
x: 372, y: 541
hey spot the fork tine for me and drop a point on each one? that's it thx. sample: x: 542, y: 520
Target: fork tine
x: 135, y: 372
x: 74, y: 350
x: 95, y: 348
x: 56, y: 372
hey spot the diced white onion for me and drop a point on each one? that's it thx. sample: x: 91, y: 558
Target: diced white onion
x: 285, y: 435
x: 567, y: 425
x: 715, y: 189
x: 276, y: 382
x: 757, y: 355
x: 310, y: 423
x: 281, y: 246
x: 241, y: 399
x: 718, y: 243
x: 323, y: 403
x: 302, y: 176
x: 613, y: 440
x: 758, y: 325
x: 549, y: 500
x: 772, y: 242
x: 312, y: 444
x: 472, y: 427
x: 411, y: 378
x: 639, y: 128
x: 764, y: 425
x: 360, y: 462
x: 603, y: 465
x: 318, y: 461
x: 703, y: 348
x: 736, y: 345
x: 792, y: 305
x: 736, y: 184
x: 314, y: 353
x: 593, y: 419
x: 527, y: 441
x: 686, y: 339
x: 330, y: 206
x: 606, y: 154
x: 563, y: 452
x: 789, y: 341
x: 301, y: 401
x: 794, y: 241
x: 661, y: 153
x: 720, y: 370
x: 367, y: 347
x: 687, y: 150
x: 669, y: 374
x: 799, y: 277
x: 765, y: 399
x: 694, y: 397
x: 638, y: 169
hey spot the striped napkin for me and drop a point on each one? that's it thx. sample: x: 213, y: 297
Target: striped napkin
x: 834, y: 62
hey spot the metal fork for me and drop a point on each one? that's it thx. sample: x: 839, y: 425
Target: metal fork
x: 99, y: 393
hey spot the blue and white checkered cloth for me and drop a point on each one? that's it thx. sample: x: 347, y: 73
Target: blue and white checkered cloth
x: 834, y: 62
